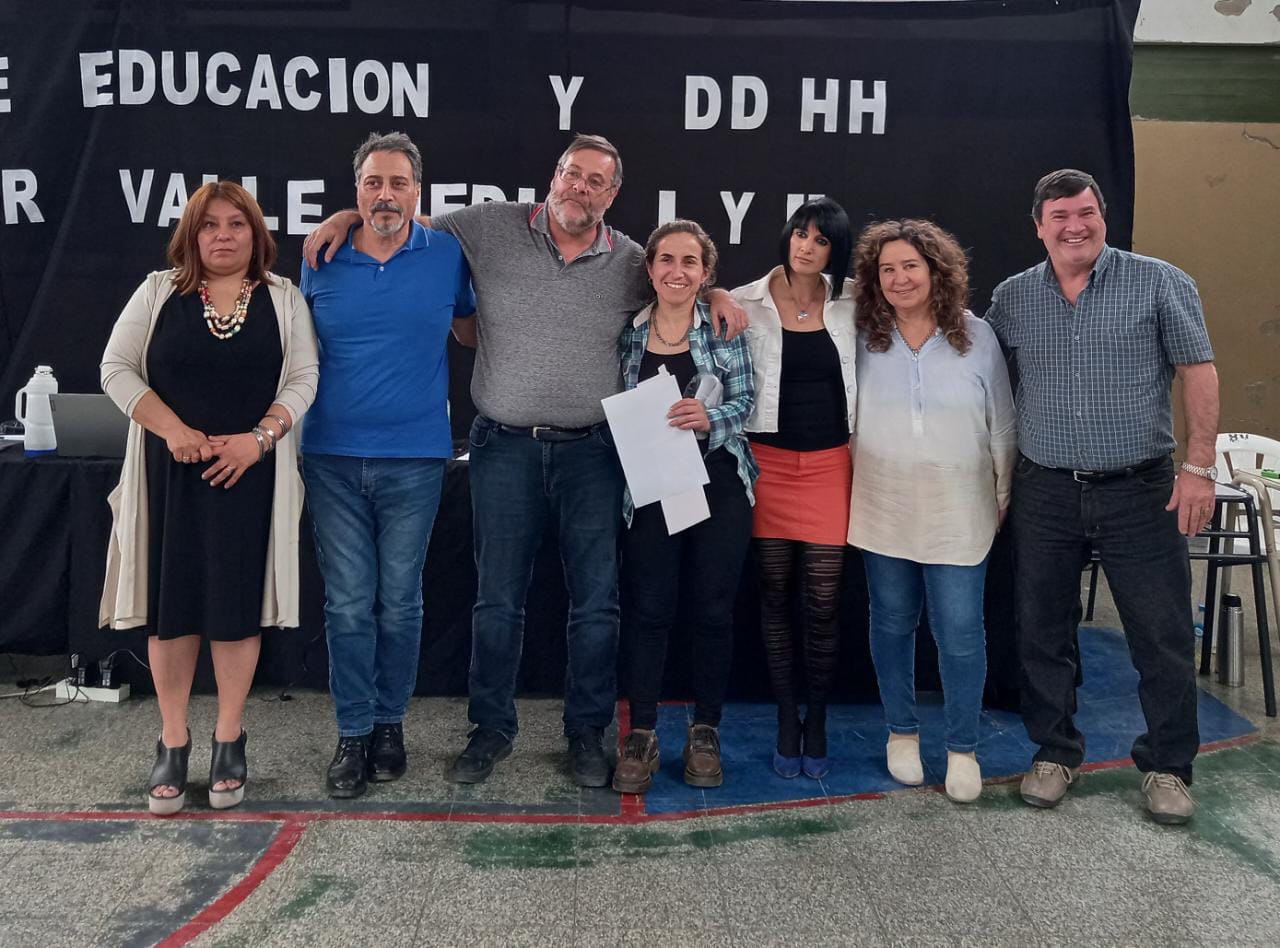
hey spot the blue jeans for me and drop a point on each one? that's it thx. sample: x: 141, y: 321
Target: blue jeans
x: 372, y: 520
x: 898, y: 589
x: 518, y: 486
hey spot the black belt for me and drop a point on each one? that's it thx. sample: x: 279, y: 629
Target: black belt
x: 1100, y: 477
x: 549, y: 432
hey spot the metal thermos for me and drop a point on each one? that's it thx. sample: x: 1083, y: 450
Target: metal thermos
x: 1231, y: 642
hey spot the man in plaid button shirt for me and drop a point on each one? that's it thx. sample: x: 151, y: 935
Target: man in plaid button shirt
x: 1096, y: 336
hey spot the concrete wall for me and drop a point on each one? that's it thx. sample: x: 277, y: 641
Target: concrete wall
x: 1208, y: 21
x: 1208, y: 200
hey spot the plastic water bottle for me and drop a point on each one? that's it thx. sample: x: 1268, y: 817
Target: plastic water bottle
x: 37, y: 420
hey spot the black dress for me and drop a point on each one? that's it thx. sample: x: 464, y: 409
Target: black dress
x: 207, y: 552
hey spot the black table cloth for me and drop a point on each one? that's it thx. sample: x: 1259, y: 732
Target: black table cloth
x: 53, y: 557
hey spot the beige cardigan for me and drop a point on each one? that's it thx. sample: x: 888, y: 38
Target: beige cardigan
x: 124, y: 378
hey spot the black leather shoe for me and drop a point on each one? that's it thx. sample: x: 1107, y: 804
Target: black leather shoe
x: 170, y: 770
x: 386, y: 752
x: 484, y: 749
x: 587, y: 763
x: 348, y: 774
x: 228, y: 763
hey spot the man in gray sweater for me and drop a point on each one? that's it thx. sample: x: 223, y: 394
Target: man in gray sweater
x: 554, y: 286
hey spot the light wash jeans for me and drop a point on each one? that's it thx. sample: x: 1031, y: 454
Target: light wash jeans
x: 899, y: 589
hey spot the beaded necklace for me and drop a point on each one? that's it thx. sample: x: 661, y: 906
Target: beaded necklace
x: 224, y: 327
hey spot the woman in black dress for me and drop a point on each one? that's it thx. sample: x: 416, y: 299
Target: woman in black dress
x: 215, y: 362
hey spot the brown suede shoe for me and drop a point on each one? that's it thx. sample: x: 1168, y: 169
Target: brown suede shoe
x: 638, y: 763
x: 702, y: 757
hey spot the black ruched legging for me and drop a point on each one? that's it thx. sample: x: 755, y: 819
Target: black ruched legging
x: 820, y: 569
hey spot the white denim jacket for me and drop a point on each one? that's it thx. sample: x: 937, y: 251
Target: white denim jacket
x: 764, y: 337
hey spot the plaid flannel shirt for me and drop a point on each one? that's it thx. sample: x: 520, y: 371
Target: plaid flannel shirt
x: 729, y: 361
x: 1094, y: 378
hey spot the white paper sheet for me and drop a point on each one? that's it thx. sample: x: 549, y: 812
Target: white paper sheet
x: 658, y: 460
x: 684, y: 510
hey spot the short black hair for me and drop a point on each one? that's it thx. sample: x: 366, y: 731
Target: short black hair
x: 830, y: 218
x: 1065, y: 183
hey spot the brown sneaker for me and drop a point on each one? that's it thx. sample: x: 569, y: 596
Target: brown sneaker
x: 638, y: 763
x: 1168, y: 799
x: 702, y: 757
x: 1046, y: 783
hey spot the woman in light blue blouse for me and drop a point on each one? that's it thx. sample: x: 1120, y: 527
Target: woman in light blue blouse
x: 674, y: 332
x: 934, y: 450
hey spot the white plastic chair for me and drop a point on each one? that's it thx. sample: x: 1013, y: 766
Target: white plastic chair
x: 1240, y: 457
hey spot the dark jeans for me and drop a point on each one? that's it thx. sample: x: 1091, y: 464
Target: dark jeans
x: 709, y: 555
x: 518, y: 486
x: 372, y: 520
x: 1055, y: 520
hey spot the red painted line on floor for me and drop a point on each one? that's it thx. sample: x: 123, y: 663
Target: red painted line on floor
x: 626, y: 817
x: 286, y: 839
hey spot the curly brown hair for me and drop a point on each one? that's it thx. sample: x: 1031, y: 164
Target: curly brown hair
x: 948, y: 276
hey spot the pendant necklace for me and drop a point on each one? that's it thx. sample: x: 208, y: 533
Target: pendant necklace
x: 802, y: 312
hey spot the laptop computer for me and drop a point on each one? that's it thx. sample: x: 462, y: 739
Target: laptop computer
x: 88, y: 426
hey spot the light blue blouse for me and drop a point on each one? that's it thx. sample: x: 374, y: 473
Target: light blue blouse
x: 934, y: 448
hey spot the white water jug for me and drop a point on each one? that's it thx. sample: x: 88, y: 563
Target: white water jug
x: 38, y: 417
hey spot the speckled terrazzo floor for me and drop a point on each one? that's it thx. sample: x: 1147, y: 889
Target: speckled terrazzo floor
x: 526, y: 858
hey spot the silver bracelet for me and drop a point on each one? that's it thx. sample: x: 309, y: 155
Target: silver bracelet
x: 284, y: 425
x: 262, y: 442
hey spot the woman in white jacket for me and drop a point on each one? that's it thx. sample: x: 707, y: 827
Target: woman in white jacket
x: 215, y: 362
x: 801, y: 336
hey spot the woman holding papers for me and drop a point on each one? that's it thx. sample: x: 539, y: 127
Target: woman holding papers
x: 674, y: 332
x: 801, y: 336
x: 215, y: 362
x: 934, y: 450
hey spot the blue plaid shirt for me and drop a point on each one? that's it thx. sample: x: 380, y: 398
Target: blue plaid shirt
x: 730, y: 362
x: 1094, y: 378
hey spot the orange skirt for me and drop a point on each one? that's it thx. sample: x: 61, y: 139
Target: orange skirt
x: 803, y: 495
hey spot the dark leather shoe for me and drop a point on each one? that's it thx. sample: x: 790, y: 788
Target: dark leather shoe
x: 228, y: 764
x: 386, y: 752
x: 638, y: 763
x: 485, y: 748
x: 587, y: 763
x: 702, y: 767
x: 348, y: 775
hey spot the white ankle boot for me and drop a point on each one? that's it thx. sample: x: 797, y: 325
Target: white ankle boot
x: 964, y: 778
x: 904, y: 762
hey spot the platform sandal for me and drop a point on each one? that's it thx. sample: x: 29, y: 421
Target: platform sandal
x: 228, y: 763
x: 170, y: 770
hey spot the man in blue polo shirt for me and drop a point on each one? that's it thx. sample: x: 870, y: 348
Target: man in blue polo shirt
x: 375, y: 446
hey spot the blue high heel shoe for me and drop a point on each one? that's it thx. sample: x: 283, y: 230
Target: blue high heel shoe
x: 815, y: 768
x: 786, y: 767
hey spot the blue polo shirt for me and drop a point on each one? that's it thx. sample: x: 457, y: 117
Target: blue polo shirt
x: 383, y: 329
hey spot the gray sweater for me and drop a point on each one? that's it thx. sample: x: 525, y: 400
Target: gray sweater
x: 547, y: 332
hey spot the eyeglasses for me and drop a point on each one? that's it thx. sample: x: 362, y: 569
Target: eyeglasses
x: 595, y: 184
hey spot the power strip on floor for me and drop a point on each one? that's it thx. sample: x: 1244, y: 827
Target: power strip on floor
x: 66, y: 691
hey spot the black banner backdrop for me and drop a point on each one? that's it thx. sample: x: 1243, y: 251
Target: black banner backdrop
x: 112, y: 111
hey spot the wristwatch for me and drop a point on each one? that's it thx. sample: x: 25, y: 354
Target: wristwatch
x: 1209, y: 472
